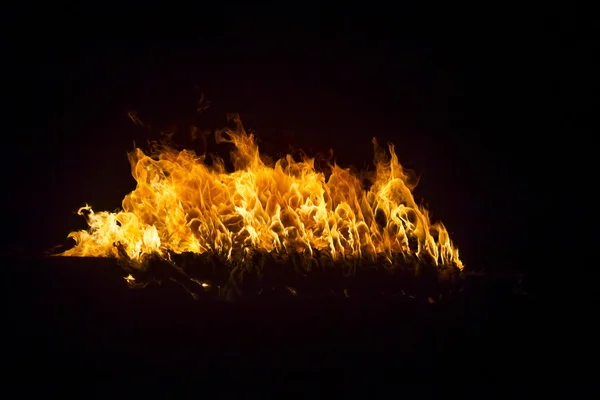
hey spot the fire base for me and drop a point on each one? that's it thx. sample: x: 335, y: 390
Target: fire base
x: 269, y: 276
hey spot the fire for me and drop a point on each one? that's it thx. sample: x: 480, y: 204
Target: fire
x: 183, y: 203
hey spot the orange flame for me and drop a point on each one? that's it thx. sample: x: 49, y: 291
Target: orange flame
x: 183, y: 204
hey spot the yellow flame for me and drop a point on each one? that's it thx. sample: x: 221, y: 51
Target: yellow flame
x: 184, y: 204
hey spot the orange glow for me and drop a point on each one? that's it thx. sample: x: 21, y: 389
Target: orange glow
x: 184, y: 204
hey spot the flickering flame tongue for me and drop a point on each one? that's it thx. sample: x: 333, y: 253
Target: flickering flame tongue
x: 183, y: 204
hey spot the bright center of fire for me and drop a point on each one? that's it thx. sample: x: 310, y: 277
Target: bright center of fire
x: 189, y: 203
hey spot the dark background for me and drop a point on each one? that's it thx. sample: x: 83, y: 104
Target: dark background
x: 474, y: 100
x: 462, y: 116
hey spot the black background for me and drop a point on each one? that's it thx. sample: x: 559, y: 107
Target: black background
x: 474, y: 100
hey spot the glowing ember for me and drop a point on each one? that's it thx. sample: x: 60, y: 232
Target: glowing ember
x: 184, y: 204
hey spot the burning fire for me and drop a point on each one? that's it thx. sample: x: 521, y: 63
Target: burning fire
x: 183, y: 203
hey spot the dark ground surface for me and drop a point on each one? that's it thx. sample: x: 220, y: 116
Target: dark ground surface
x: 76, y: 323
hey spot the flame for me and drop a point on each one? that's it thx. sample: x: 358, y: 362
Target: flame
x: 182, y: 203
